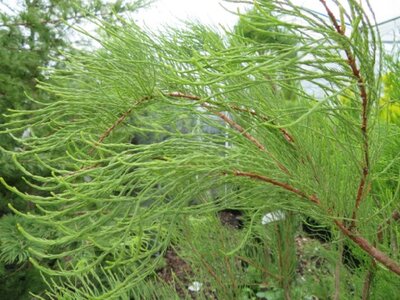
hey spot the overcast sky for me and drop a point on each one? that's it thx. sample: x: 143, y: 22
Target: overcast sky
x: 216, y: 12
x: 212, y: 11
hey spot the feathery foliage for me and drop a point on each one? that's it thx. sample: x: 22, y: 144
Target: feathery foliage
x: 225, y: 136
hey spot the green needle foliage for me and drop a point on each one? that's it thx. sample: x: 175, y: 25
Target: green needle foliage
x: 34, y: 34
x: 224, y: 135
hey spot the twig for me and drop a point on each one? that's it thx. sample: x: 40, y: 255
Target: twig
x: 107, y: 133
x: 233, y: 124
x: 370, y: 249
x: 351, y: 234
x: 364, y: 123
x: 225, y: 118
x: 239, y: 128
x: 288, y: 137
x: 117, y: 122
x: 283, y: 185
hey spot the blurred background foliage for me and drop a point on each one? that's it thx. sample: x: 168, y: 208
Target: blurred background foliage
x: 35, y: 35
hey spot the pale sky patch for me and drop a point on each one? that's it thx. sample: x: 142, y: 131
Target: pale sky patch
x: 212, y: 12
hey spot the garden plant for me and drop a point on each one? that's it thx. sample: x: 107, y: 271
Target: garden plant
x: 150, y: 140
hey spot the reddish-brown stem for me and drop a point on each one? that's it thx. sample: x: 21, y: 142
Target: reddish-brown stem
x: 283, y: 185
x: 117, y: 122
x: 288, y: 137
x: 225, y: 118
x: 351, y: 234
x: 108, y: 132
x: 182, y: 95
x: 239, y: 128
x: 370, y: 249
x: 208, y: 106
x: 360, y: 241
x: 233, y: 124
x: 351, y: 61
x: 248, y: 136
x: 332, y: 17
x: 113, y: 126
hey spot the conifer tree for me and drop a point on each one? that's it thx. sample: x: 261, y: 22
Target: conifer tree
x: 34, y: 34
x: 112, y: 207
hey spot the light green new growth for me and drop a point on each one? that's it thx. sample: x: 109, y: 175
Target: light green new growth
x: 219, y: 133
